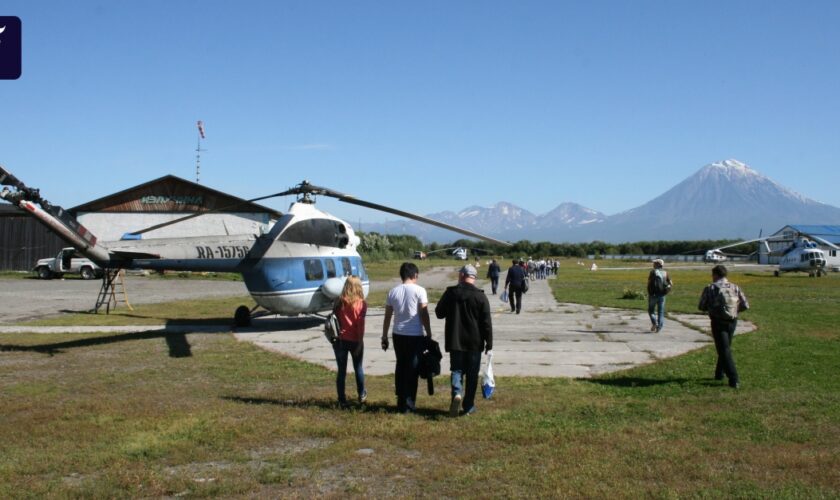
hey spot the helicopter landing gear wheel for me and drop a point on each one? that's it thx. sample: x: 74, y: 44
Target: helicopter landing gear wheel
x: 776, y: 273
x: 242, y: 316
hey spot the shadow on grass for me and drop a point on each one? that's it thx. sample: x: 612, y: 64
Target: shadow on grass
x: 426, y: 413
x: 177, y: 342
x: 634, y: 382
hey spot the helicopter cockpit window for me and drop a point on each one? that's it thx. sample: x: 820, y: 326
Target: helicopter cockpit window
x: 346, y: 268
x: 324, y: 232
x: 314, y: 269
x: 330, y: 268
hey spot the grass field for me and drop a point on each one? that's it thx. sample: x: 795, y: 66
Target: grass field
x: 149, y: 415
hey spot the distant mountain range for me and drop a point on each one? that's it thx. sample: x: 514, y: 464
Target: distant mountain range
x: 726, y: 199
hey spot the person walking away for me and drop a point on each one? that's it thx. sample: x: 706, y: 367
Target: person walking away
x: 350, y: 309
x: 408, y: 304
x: 468, y: 332
x: 493, y: 272
x: 658, y: 286
x: 723, y: 300
x: 514, y: 282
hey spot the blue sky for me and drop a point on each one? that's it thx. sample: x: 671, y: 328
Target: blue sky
x: 426, y: 106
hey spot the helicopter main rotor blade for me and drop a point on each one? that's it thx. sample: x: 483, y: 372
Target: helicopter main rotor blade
x: 362, y: 203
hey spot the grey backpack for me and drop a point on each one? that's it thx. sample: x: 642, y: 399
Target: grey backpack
x: 725, y: 302
x: 332, y: 328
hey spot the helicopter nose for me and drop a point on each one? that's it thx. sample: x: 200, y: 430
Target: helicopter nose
x: 332, y: 287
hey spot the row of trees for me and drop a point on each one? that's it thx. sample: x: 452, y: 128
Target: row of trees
x: 377, y: 246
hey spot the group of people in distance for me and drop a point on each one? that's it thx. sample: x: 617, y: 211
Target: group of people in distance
x: 468, y: 332
x: 468, y: 327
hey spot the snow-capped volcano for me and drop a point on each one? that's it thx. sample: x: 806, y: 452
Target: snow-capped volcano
x: 722, y: 199
x: 725, y: 199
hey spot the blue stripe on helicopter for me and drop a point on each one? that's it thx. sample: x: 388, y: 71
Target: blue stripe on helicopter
x: 268, y: 275
x: 300, y: 275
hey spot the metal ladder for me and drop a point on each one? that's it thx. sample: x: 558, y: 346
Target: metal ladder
x: 112, y: 291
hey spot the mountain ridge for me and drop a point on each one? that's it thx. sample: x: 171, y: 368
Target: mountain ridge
x: 724, y: 199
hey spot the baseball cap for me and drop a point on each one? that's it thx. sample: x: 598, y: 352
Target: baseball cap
x: 468, y: 270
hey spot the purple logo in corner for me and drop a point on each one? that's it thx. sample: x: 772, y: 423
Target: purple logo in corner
x: 10, y: 51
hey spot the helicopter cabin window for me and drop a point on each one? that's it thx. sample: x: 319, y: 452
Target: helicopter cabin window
x: 346, y: 267
x: 330, y: 268
x: 314, y: 269
x: 324, y: 232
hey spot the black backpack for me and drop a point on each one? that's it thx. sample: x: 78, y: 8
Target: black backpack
x: 429, y: 365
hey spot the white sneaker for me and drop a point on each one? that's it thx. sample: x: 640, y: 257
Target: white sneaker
x: 455, y: 405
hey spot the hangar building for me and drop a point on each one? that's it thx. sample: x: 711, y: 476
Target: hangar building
x: 24, y: 239
x: 788, y: 235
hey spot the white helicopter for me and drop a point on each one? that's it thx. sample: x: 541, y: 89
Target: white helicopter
x: 459, y: 253
x: 803, y: 255
x: 298, y: 267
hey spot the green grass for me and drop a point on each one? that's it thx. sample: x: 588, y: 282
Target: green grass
x: 130, y: 415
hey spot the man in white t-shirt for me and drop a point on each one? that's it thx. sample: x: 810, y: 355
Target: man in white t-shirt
x: 408, y: 304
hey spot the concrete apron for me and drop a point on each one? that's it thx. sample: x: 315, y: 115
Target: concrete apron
x: 546, y: 340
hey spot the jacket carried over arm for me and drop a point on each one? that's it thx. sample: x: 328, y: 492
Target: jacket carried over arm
x: 469, y: 326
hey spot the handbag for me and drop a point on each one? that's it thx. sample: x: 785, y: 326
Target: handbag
x: 488, y: 384
x: 504, y: 296
x: 525, y: 285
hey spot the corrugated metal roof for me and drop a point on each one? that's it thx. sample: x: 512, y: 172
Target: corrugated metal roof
x: 171, y: 194
x: 824, y: 231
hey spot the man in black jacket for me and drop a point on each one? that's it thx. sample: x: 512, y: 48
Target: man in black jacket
x: 515, y: 284
x: 468, y: 332
x: 493, y: 272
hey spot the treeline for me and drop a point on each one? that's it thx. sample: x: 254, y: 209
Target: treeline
x: 377, y: 246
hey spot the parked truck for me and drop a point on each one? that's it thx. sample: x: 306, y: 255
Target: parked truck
x: 68, y: 261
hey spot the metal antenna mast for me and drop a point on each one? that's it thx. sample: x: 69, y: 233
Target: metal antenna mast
x: 198, y: 150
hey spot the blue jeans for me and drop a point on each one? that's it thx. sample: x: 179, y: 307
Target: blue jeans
x: 407, y: 349
x: 657, y: 302
x: 465, y: 364
x: 341, y: 349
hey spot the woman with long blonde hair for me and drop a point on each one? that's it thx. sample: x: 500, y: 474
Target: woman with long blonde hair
x: 350, y: 308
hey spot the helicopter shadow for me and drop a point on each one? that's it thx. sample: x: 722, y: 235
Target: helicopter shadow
x: 636, y: 382
x: 282, y: 324
x: 425, y: 413
x: 179, y: 346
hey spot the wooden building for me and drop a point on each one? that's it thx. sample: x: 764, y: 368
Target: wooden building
x: 24, y: 239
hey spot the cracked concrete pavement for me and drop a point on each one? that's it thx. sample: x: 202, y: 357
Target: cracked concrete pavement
x: 548, y: 339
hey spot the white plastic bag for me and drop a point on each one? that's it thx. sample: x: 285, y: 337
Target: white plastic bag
x: 504, y: 296
x: 488, y: 384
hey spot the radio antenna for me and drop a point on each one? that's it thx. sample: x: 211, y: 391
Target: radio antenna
x: 198, y: 150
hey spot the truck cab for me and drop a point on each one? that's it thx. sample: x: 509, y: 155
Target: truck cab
x: 68, y: 260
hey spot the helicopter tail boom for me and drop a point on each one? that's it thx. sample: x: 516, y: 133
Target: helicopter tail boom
x: 53, y: 216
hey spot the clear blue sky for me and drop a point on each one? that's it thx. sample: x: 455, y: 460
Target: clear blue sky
x: 426, y: 106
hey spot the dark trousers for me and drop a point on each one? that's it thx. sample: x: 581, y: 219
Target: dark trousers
x: 465, y: 365
x: 515, y: 297
x: 408, y: 349
x: 494, y: 283
x: 723, y: 331
x: 342, y: 348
